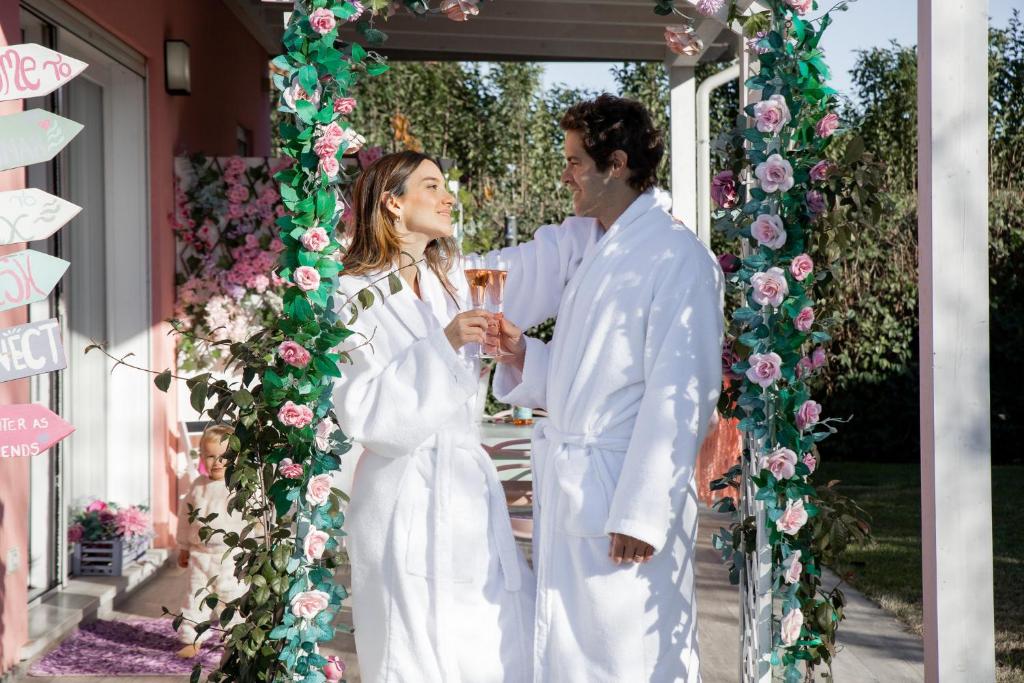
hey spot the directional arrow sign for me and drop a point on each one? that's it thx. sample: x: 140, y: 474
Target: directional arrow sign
x: 28, y: 215
x: 32, y: 70
x: 29, y: 430
x: 34, y: 136
x: 31, y: 349
x: 27, y: 277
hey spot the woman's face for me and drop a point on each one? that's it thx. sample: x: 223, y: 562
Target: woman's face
x: 426, y: 207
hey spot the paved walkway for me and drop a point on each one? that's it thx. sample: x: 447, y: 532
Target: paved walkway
x: 873, y: 645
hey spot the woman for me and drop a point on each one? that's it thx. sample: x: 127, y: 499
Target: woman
x: 439, y: 589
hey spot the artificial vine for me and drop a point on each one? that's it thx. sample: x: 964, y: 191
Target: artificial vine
x: 803, y: 199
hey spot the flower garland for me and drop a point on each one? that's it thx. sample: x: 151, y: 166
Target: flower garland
x: 286, y: 446
x: 227, y: 251
x: 776, y: 335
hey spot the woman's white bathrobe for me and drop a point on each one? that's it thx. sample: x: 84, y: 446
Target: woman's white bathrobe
x: 427, y: 503
x: 630, y: 381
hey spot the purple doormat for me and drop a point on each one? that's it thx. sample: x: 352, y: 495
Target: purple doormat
x: 124, y: 648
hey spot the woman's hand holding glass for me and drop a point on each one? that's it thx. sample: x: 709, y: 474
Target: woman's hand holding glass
x: 469, y: 327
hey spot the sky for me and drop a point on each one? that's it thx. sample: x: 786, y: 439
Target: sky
x: 867, y: 24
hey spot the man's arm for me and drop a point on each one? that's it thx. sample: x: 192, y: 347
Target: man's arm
x: 683, y: 376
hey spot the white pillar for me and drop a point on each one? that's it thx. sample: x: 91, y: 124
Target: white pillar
x: 956, y: 491
x: 683, y: 150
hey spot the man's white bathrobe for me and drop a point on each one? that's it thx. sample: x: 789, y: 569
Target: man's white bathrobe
x: 440, y: 592
x: 630, y: 381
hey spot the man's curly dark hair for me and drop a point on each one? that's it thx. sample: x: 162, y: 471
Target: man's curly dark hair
x: 608, y: 123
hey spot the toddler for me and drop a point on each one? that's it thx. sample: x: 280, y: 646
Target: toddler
x: 208, y: 494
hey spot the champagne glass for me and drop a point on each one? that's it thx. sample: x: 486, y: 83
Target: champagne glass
x: 497, y: 268
x: 478, y: 278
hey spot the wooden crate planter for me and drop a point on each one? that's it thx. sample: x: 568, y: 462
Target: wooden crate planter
x: 106, y: 558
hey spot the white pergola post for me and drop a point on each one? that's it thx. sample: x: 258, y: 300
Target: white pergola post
x: 683, y: 150
x: 956, y: 491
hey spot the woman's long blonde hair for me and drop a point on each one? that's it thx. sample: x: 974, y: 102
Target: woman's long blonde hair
x: 376, y: 245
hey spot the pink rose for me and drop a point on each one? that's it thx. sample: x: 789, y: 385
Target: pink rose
x: 816, y: 203
x: 318, y: 490
x: 827, y: 125
x: 75, y: 533
x: 723, y: 190
x: 683, y: 40
x: 307, y: 278
x: 804, y: 319
x: 801, y: 6
x: 292, y: 415
x: 775, y: 174
x: 308, y: 604
x: 238, y: 194
x: 330, y: 166
x: 801, y: 267
x: 96, y: 506
x: 344, y: 105
x: 315, y: 239
x: 322, y: 20
x: 334, y: 669
x: 794, y: 619
x: 792, y: 568
x: 709, y: 7
x: 770, y: 287
x: 293, y: 354
x: 781, y: 463
x: 818, y: 357
x: 810, y: 461
x: 315, y: 544
x: 289, y: 469
x: 764, y: 368
x: 324, y: 429
x: 822, y: 170
x: 808, y: 414
x: 729, y: 263
x: 296, y: 92
x: 769, y: 231
x: 793, y: 518
x: 325, y: 147
x: 772, y: 115
x: 459, y: 10
x: 804, y: 367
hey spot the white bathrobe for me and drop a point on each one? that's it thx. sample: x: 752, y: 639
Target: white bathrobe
x: 630, y: 381
x: 440, y: 592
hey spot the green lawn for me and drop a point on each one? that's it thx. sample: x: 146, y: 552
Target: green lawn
x: 889, y: 569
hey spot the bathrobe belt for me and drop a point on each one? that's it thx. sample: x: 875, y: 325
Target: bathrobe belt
x: 444, y: 444
x: 558, y: 441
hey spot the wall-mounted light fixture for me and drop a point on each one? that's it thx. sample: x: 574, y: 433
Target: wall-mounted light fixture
x: 177, y: 71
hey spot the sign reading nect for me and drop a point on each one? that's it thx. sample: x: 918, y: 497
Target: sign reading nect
x: 31, y: 214
x: 29, y: 430
x: 27, y: 277
x: 32, y: 137
x: 32, y: 70
x: 31, y: 349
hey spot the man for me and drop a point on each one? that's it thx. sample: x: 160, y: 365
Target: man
x: 630, y: 380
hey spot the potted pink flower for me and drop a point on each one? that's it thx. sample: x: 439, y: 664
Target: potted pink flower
x: 108, y: 537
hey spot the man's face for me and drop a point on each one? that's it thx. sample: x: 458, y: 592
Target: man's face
x: 581, y: 176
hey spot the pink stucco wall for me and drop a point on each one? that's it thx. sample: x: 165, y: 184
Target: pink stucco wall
x: 229, y: 88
